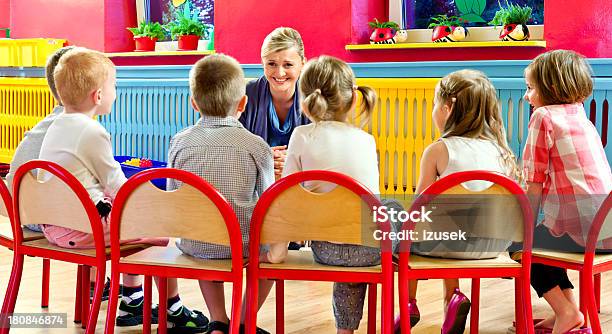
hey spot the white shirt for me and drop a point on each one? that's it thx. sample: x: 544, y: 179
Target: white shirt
x: 332, y: 146
x: 465, y: 154
x: 82, y: 146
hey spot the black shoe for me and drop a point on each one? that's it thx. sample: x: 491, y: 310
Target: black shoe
x: 294, y: 246
x: 223, y: 327
x: 257, y: 330
x: 187, y: 321
x: 105, y: 292
x: 132, y: 314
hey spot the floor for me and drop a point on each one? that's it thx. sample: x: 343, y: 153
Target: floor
x: 308, y: 304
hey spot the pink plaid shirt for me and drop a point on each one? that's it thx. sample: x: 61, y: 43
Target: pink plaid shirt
x: 564, y: 152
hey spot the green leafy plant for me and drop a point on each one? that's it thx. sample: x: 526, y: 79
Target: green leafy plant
x: 389, y: 24
x: 471, y: 10
x: 188, y: 26
x: 511, y: 13
x: 443, y: 20
x: 148, y: 29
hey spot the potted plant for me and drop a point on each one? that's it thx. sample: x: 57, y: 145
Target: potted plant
x: 146, y: 34
x: 514, y: 20
x: 383, y: 32
x: 447, y: 29
x: 188, y: 31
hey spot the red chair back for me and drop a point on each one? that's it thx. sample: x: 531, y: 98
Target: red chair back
x: 195, y: 211
x: 6, y: 207
x: 452, y: 182
x: 61, y: 200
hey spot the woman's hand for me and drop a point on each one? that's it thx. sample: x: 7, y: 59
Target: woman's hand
x: 280, y: 154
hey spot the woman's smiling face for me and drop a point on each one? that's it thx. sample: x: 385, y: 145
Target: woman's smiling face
x: 282, y: 69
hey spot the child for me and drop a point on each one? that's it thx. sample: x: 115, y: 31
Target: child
x: 468, y: 115
x: 85, y: 82
x: 220, y: 150
x: 29, y: 147
x: 331, y: 143
x: 563, y: 160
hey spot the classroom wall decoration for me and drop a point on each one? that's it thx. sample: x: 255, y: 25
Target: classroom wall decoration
x: 416, y: 14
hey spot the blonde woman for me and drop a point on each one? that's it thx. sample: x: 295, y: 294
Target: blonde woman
x: 273, y: 108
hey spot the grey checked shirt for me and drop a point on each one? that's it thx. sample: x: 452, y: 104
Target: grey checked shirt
x: 236, y: 162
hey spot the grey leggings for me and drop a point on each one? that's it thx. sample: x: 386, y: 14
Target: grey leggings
x: 348, y: 298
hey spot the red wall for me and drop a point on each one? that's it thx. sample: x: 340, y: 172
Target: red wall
x: 326, y: 27
x: 97, y: 24
x: 586, y: 29
x: 5, y: 17
x: 81, y: 22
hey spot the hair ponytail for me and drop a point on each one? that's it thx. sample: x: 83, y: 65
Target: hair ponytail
x: 368, y: 102
x: 316, y: 104
x: 328, y: 86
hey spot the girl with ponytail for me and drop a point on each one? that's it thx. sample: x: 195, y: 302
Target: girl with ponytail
x: 330, y: 142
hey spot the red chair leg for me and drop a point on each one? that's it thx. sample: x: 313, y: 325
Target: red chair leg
x: 597, y: 289
x: 387, y: 306
x: 591, y: 304
x: 526, y: 311
x: 236, y: 306
x: 475, y: 305
x: 518, y: 307
x: 111, y: 312
x: 583, y: 296
x: 93, y: 312
x: 252, y: 293
x: 78, y: 300
x: 372, y: 299
x: 85, y: 296
x: 10, y: 298
x: 403, y: 303
x: 280, y: 306
x: 162, y: 327
x: 146, y: 312
x: 44, y: 299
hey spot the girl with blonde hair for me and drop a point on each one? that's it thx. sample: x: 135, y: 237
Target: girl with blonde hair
x: 468, y: 115
x: 331, y: 143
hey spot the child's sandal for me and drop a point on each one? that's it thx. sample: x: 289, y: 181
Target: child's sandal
x: 217, y: 326
x: 584, y: 330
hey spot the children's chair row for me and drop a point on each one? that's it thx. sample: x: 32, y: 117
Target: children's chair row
x: 285, y: 212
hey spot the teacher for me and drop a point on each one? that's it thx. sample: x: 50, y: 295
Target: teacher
x: 273, y: 109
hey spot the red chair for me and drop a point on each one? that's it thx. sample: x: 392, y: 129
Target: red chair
x: 196, y: 211
x: 589, y: 265
x: 412, y: 267
x: 61, y: 201
x: 287, y: 212
x: 6, y: 238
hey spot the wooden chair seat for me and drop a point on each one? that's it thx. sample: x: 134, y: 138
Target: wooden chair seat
x: 45, y: 244
x: 6, y: 231
x: 173, y: 257
x: 422, y: 262
x: 576, y: 258
x: 303, y: 260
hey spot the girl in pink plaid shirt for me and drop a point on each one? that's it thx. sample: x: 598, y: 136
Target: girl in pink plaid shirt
x: 565, y: 169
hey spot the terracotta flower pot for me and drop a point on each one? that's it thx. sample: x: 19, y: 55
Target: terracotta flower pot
x: 144, y: 43
x: 514, y: 32
x: 188, y: 42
